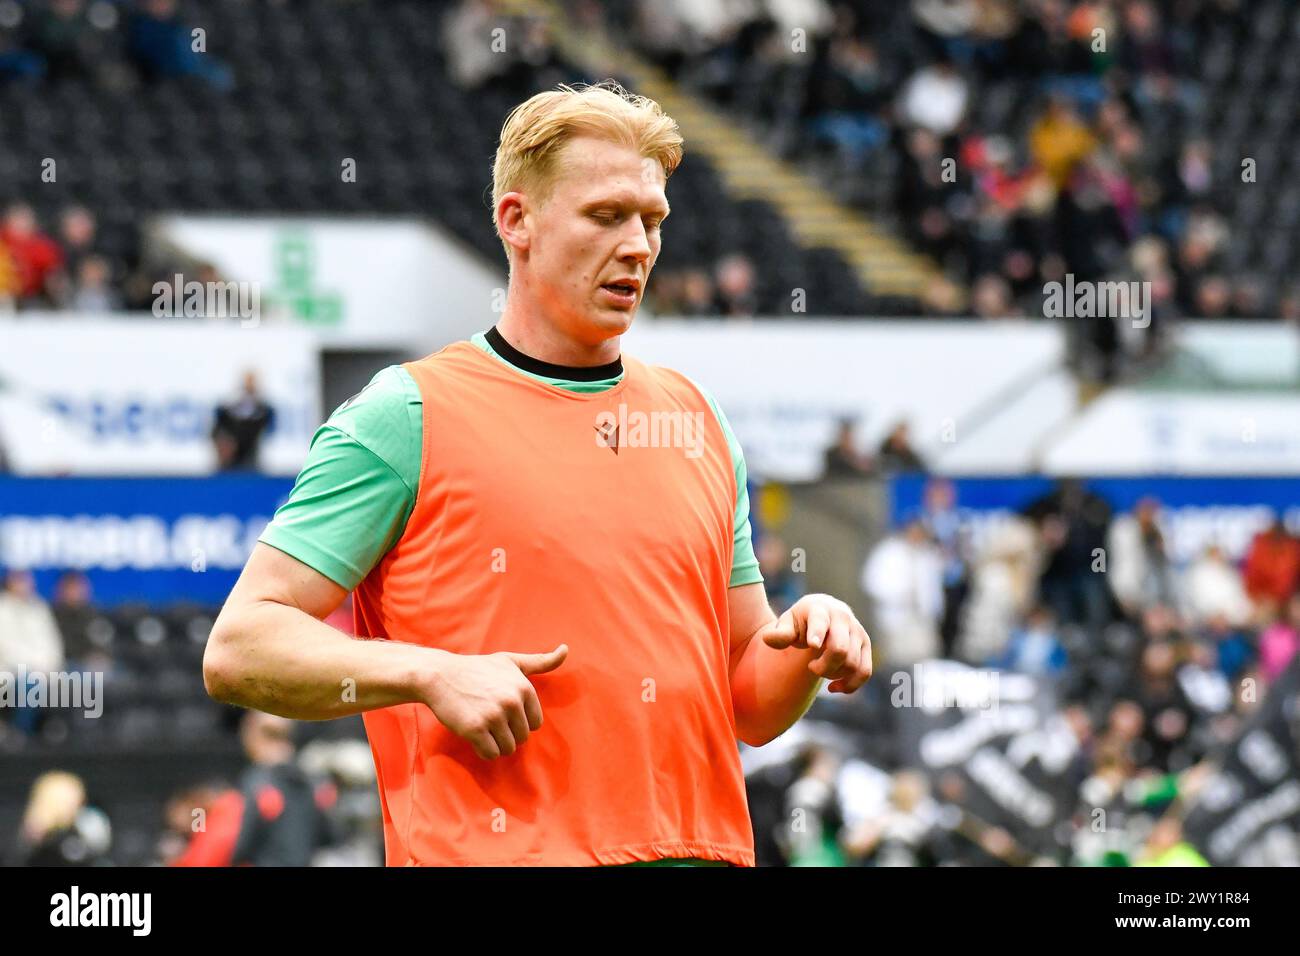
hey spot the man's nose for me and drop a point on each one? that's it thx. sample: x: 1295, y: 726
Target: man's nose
x: 636, y: 244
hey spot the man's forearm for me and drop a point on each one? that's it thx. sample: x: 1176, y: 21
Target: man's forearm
x: 771, y: 689
x: 279, y: 659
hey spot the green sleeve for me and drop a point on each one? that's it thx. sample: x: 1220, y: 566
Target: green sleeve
x: 744, y: 565
x: 351, y: 501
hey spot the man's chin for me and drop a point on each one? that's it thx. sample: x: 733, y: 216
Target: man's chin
x: 614, y: 321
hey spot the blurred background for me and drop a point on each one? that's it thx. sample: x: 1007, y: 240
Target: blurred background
x: 1069, y: 520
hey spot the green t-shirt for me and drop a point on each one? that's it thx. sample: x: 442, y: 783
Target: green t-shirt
x: 356, y: 491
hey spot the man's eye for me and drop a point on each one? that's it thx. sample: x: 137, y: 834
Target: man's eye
x: 605, y: 217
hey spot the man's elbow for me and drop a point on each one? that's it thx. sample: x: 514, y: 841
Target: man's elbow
x: 219, y: 671
x: 754, y: 736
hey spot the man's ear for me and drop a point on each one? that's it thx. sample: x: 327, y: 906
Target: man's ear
x: 513, y: 220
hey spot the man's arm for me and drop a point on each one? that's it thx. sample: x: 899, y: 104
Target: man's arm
x: 777, y: 664
x: 270, y: 651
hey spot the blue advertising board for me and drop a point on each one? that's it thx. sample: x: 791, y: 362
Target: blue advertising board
x: 152, y: 540
x: 1195, y: 511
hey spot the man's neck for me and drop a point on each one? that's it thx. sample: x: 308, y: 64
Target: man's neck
x: 573, y: 373
x: 547, y: 344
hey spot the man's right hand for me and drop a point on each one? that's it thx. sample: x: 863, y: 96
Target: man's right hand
x: 488, y: 699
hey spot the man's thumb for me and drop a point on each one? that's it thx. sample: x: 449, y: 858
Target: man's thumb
x: 783, y: 633
x: 541, y: 663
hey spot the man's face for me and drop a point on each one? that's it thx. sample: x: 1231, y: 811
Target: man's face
x: 595, y: 238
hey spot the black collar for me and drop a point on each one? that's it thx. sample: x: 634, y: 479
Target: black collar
x: 570, y: 373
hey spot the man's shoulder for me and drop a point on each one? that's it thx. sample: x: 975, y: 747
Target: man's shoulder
x: 383, y: 402
x: 385, y: 417
x: 672, y: 378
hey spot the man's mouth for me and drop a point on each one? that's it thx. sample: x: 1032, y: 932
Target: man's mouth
x: 622, y: 292
x: 623, y: 286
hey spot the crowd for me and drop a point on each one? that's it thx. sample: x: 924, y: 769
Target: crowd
x: 1150, y: 665
x: 1147, y: 666
x: 114, y: 42
x: 1004, y: 139
x: 288, y: 807
x: 1013, y: 142
x: 62, y: 268
x: 65, y: 264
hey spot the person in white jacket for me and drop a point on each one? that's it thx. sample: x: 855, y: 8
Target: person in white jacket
x: 903, y: 576
x: 29, y: 635
x: 1212, y: 587
x: 30, y: 642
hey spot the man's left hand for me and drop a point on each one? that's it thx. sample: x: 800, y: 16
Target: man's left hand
x: 827, y: 625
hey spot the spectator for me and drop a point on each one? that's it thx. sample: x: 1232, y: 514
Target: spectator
x: 17, y: 62
x: 163, y: 47
x: 62, y: 33
x: 93, y: 291
x: 843, y: 460
x: 903, y: 576
x: 239, y: 426
x: 903, y: 834
x: 1229, y: 644
x: 467, y: 40
x: 277, y: 814
x: 698, y: 297
x: 1272, y: 566
x: 896, y: 452
x: 284, y: 812
x: 945, y: 526
x: 1072, y: 523
x: 59, y: 828
x: 32, y: 257
x: 1137, y: 567
x: 1280, y: 641
x: 73, y: 612
x: 1166, y: 710
x: 1034, y: 649
x: 1212, y: 587
x: 78, y: 233
x: 1059, y: 140
x: 30, y: 644
x: 1004, y: 575
x: 209, y: 808
x: 735, y: 287
x: 1166, y: 847
x: 812, y: 801
x: 935, y: 98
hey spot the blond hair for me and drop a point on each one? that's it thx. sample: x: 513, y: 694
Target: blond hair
x: 55, y: 799
x: 536, y: 131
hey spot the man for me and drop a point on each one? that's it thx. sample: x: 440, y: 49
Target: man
x: 31, y: 647
x: 237, y: 427
x: 275, y: 817
x: 523, y: 549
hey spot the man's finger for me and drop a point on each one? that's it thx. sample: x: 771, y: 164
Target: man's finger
x: 539, y: 663
x: 783, y: 633
x: 505, y: 742
x: 862, y: 670
x: 819, y: 622
x: 835, y: 647
x: 484, y: 745
x: 852, y: 654
x: 532, y: 708
x: 518, y: 722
